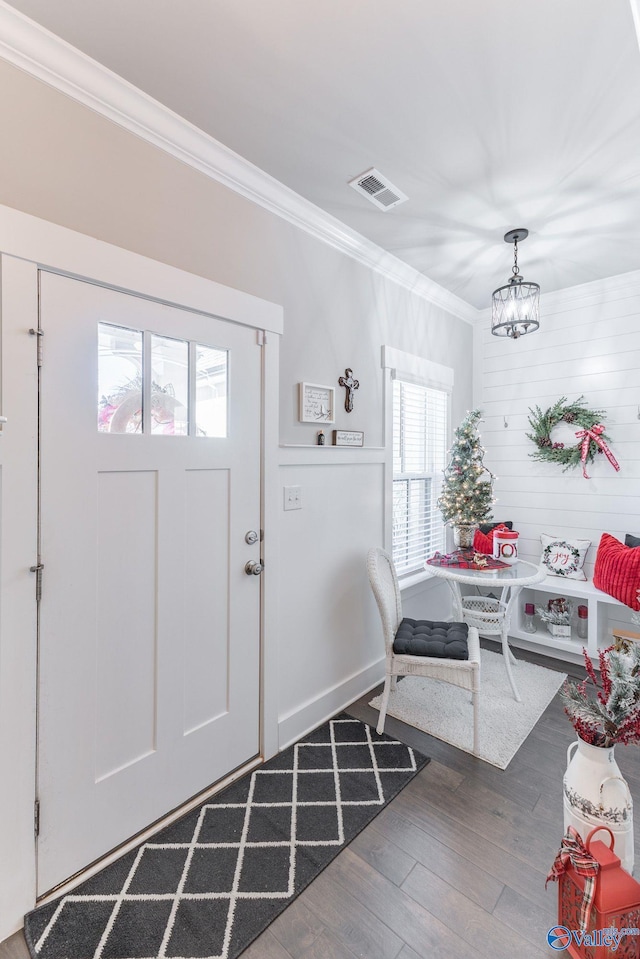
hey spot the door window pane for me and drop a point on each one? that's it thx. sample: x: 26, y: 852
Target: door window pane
x: 177, y: 373
x: 169, y: 386
x: 211, y: 391
x: 119, y: 379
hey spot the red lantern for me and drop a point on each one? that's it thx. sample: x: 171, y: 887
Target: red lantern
x: 598, y: 901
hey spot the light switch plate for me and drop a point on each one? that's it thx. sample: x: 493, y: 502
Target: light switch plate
x: 292, y: 497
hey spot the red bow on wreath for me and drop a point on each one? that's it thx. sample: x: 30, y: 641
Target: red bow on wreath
x: 586, y: 436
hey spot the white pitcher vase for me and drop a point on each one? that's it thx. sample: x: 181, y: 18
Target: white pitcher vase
x: 595, y: 794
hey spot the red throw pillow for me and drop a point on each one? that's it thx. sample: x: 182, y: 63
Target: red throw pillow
x: 483, y: 543
x: 617, y: 570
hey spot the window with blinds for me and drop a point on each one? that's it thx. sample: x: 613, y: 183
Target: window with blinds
x: 419, y: 458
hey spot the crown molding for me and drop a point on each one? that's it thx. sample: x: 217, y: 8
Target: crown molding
x: 55, y: 62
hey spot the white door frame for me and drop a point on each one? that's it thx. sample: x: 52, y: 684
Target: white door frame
x: 27, y: 244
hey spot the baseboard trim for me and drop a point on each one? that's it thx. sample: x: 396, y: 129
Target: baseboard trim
x: 316, y: 711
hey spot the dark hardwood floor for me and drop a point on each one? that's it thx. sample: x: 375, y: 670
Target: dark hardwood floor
x: 454, y: 867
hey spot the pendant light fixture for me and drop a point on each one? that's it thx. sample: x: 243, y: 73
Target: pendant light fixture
x: 515, y: 306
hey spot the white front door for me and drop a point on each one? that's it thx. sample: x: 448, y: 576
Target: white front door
x: 149, y: 661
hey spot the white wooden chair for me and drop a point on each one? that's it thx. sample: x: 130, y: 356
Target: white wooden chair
x: 459, y: 672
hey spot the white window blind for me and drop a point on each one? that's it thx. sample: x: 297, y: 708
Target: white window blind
x: 419, y: 458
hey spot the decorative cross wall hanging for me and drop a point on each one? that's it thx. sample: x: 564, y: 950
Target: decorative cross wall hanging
x: 350, y: 384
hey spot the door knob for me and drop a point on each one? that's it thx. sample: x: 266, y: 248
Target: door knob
x: 253, y: 569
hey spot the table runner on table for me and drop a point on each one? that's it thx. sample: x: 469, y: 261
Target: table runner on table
x: 466, y: 559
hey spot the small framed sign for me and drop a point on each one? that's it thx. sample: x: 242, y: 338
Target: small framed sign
x: 348, y: 438
x: 317, y: 403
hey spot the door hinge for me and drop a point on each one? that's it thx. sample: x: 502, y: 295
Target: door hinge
x: 39, y: 334
x: 261, y: 337
x: 38, y: 571
x: 36, y: 817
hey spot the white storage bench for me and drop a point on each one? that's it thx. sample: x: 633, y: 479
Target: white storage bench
x: 605, y: 612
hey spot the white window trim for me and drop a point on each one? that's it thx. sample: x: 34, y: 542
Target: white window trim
x: 412, y: 369
x: 415, y: 369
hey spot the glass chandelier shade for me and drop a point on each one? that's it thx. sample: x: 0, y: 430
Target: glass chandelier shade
x: 515, y: 307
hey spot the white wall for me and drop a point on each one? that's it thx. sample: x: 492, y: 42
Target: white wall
x: 63, y: 163
x: 328, y: 621
x: 588, y: 343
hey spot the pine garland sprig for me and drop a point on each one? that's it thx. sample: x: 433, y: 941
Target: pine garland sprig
x: 613, y: 715
x: 577, y: 705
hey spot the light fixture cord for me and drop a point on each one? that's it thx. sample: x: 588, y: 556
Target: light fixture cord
x: 514, y: 268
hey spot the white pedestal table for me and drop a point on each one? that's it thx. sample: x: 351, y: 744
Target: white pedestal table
x: 509, y: 581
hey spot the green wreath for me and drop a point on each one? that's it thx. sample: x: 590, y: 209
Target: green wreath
x: 542, y: 424
x: 575, y: 557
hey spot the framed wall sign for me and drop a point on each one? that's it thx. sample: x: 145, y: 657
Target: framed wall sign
x: 348, y: 438
x: 317, y: 403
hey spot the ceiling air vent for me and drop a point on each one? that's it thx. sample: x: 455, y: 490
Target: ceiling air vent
x: 377, y: 188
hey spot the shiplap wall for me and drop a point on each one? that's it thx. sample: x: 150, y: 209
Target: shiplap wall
x: 588, y: 343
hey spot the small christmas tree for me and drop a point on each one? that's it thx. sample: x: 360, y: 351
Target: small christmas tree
x: 467, y: 494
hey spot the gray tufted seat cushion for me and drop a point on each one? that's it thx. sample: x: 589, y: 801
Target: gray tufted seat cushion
x: 422, y: 637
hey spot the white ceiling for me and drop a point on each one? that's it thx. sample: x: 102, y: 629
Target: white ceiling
x: 488, y: 114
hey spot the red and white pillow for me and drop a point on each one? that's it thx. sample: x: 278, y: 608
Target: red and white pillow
x: 564, y: 557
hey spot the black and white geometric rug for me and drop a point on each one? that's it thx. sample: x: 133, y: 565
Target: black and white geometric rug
x: 207, y: 885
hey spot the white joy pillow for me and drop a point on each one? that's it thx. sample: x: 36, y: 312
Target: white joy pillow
x: 564, y: 557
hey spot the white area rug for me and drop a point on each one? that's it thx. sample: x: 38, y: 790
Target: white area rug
x: 446, y: 712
